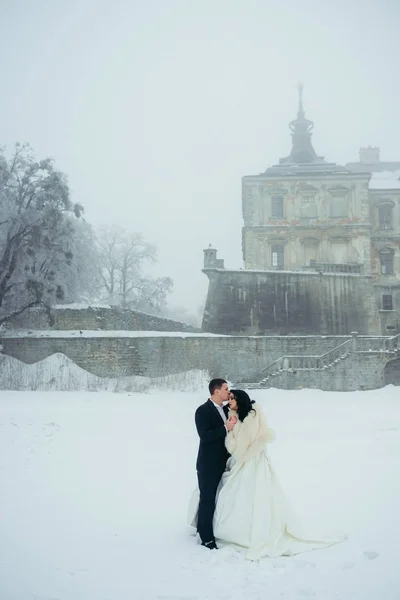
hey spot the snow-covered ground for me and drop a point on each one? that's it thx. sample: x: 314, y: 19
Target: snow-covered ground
x: 94, y: 490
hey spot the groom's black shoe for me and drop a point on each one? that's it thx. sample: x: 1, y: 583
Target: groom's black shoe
x: 210, y: 545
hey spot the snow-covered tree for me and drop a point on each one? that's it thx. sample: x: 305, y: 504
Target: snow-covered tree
x: 123, y: 257
x: 82, y: 280
x: 38, y: 233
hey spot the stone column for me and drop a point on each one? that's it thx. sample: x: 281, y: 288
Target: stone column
x: 354, y: 335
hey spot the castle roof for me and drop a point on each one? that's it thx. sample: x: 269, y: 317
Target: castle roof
x: 302, y: 159
x: 385, y: 180
x: 359, y: 167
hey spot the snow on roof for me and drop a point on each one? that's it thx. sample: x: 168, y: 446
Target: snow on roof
x: 359, y: 167
x: 385, y: 180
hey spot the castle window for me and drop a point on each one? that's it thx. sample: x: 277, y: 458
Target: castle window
x: 339, y: 207
x: 277, y: 256
x: 277, y: 207
x: 308, y: 207
x: 310, y: 252
x: 386, y: 257
x: 385, y: 215
x: 340, y: 251
x: 387, y: 302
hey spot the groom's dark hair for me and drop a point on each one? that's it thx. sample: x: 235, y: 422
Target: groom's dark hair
x: 216, y: 384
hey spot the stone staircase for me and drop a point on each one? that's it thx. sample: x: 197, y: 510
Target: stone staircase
x: 306, y: 364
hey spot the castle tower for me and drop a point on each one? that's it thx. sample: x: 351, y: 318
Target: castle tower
x: 302, y: 148
x: 306, y: 248
x: 210, y: 259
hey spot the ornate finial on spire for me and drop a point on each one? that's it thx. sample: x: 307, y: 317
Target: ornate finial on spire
x: 300, y: 112
x: 301, y: 128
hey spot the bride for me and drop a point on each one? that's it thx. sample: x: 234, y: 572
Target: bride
x: 251, y: 509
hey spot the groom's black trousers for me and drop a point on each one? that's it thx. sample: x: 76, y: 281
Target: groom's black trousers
x: 208, y: 484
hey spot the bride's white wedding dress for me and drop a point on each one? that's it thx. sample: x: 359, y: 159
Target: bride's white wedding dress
x: 252, y: 511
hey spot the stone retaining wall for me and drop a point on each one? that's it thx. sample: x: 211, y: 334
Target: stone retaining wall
x: 94, y: 318
x: 238, y: 359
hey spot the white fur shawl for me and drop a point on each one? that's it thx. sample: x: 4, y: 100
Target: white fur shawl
x: 249, y: 437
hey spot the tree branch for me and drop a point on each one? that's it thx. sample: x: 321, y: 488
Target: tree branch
x: 23, y: 309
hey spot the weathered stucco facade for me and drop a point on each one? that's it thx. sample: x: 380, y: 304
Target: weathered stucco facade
x: 296, y: 239
x: 385, y: 257
x: 321, y: 248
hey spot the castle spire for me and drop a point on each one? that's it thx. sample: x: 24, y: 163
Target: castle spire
x: 302, y: 149
x: 300, y: 112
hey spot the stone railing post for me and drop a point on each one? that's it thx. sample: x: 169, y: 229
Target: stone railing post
x: 354, y: 335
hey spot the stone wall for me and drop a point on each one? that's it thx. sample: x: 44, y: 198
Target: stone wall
x: 236, y: 358
x: 104, y: 357
x: 239, y: 359
x: 94, y: 318
x: 359, y: 371
x: 289, y: 302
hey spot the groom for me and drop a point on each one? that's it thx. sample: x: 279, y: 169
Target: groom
x: 212, y: 426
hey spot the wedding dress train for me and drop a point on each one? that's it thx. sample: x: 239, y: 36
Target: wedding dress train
x: 252, y: 511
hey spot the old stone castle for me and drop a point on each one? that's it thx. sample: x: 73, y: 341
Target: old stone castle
x: 314, y: 306
x: 321, y: 248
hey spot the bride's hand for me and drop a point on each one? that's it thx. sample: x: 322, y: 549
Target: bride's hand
x: 231, y: 422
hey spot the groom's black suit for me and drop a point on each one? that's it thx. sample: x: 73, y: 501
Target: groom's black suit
x: 211, y: 463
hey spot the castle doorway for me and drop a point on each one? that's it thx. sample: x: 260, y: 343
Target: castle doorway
x: 392, y: 372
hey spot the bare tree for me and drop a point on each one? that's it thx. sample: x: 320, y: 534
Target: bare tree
x: 37, y: 222
x: 123, y: 257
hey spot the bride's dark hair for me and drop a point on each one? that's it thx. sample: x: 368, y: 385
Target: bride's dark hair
x: 244, y: 403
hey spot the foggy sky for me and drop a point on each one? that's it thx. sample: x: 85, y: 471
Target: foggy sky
x: 156, y: 109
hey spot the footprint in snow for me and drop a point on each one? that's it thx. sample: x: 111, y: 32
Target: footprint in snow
x: 371, y: 555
